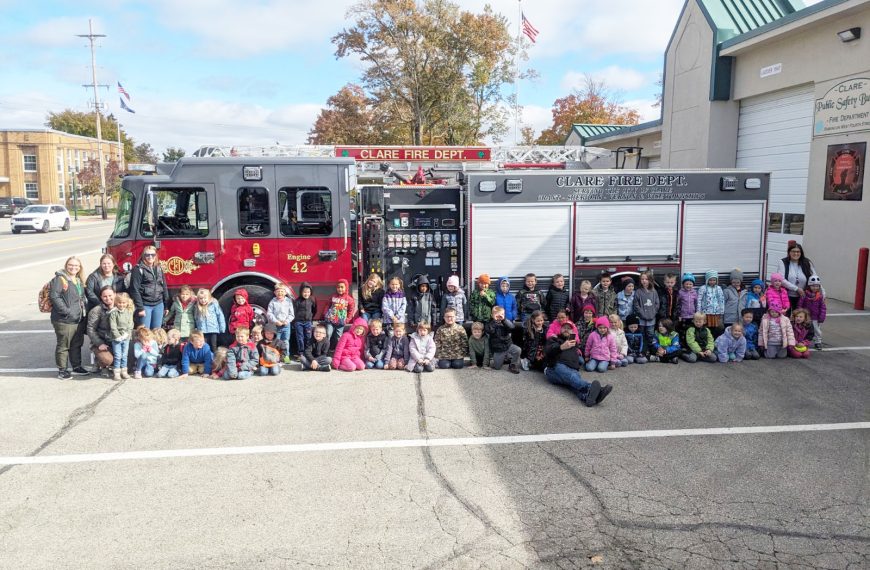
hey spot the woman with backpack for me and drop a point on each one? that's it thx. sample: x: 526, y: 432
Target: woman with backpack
x: 67, y: 294
x: 107, y: 274
x: 148, y: 290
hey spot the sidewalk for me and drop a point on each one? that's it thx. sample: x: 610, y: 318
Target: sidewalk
x: 845, y: 327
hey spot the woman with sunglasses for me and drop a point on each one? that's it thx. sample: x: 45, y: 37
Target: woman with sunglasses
x: 148, y: 290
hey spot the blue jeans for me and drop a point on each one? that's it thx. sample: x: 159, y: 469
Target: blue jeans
x: 563, y: 375
x: 120, y: 348
x: 283, y: 336
x: 153, y: 318
x: 379, y: 364
x: 240, y: 375
x: 167, y: 371
x: 373, y: 315
x: 267, y: 370
x: 336, y: 330
x: 600, y: 365
x: 303, y: 333
x: 145, y: 367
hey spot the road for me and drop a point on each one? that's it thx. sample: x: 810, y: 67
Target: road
x: 757, y: 465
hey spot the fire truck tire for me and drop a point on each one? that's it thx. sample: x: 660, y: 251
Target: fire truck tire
x: 258, y: 296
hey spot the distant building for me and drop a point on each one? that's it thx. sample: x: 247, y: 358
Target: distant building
x: 40, y: 164
x: 778, y: 86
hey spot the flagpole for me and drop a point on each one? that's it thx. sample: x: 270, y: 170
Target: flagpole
x: 517, y: 71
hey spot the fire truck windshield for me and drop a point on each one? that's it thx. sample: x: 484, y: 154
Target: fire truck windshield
x: 175, y: 212
x: 124, y: 216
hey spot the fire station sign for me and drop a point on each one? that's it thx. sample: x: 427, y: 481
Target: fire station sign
x: 845, y: 108
x: 415, y: 153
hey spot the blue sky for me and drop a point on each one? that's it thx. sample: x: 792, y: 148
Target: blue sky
x: 257, y: 72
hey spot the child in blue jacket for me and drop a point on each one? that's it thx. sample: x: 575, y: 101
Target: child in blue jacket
x: 504, y: 299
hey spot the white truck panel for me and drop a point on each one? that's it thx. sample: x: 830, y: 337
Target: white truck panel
x: 613, y: 230
x: 723, y: 236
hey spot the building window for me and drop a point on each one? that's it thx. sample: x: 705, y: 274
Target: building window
x: 61, y: 195
x: 29, y: 163
x: 793, y: 224
x: 59, y: 160
x: 774, y: 224
x: 31, y: 191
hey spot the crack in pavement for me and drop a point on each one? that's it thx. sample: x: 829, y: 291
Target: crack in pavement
x: 79, y: 416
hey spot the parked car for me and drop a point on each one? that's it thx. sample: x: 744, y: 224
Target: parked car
x: 41, y: 218
x: 11, y: 206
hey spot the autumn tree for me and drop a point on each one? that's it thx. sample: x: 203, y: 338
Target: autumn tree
x: 350, y: 117
x: 89, y: 177
x: 85, y: 124
x: 433, y: 71
x: 172, y: 154
x: 593, y: 104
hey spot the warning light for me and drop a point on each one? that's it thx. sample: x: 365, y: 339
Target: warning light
x: 256, y: 248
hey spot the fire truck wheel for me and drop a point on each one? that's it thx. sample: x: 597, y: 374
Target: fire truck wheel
x: 258, y: 296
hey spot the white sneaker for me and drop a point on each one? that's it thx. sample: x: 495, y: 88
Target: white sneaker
x: 524, y: 362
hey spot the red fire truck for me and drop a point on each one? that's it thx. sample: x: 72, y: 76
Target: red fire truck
x: 240, y: 218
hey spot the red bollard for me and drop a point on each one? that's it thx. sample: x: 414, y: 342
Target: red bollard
x: 861, y: 285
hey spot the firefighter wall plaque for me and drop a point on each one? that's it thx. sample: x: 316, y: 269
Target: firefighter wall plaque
x: 844, y: 175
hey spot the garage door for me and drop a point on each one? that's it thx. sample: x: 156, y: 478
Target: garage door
x: 774, y: 135
x: 723, y: 236
x: 608, y: 231
x: 515, y: 240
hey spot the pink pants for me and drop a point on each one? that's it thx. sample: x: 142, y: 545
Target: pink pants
x: 349, y: 364
x: 796, y: 354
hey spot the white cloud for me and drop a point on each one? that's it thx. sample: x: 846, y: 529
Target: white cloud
x: 60, y: 32
x: 615, y: 77
x: 645, y: 108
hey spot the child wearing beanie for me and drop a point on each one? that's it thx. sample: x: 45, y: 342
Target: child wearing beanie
x: 711, y: 302
x: 732, y: 297
x: 482, y: 300
x: 813, y: 301
x: 753, y: 299
x: 688, y: 298
x: 777, y: 295
x: 454, y: 298
x: 601, y: 352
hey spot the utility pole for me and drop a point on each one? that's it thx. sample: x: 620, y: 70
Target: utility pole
x: 91, y: 38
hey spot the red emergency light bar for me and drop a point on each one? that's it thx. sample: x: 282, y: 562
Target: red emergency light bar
x: 415, y: 153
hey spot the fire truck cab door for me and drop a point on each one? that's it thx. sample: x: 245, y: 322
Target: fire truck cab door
x: 314, y: 224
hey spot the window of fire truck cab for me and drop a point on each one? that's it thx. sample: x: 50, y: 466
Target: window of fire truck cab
x: 124, y: 216
x: 254, y: 212
x: 180, y: 212
x: 305, y: 211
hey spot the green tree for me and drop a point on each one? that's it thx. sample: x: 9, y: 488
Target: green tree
x: 85, y: 124
x: 145, y: 153
x: 172, y: 154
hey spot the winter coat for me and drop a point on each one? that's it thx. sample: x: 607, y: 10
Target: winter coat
x: 212, y: 321
x: 726, y: 344
x: 669, y: 304
x: 149, y: 351
x: 646, y: 305
x: 481, y: 305
x: 95, y: 282
x: 240, y: 315
x: 584, y: 329
x: 570, y: 357
x: 478, y: 347
x: 171, y: 355
x: 304, y: 310
x: 451, y: 342
x: 602, y: 348
x: 530, y: 300
x: 182, y: 318
x: 757, y: 303
x: 533, y: 344
x: 500, y: 334
x: 314, y: 348
x: 636, y: 342
x: 621, y: 342
x: 421, y: 306
x: 192, y: 355
x: 242, y: 358
x: 120, y: 323
x: 688, y: 303
x: 803, y: 334
x: 557, y: 300
x: 270, y: 352
x: 342, y: 308
x: 750, y: 333
x: 699, y: 339
x: 373, y: 303
x: 148, y: 286
x: 669, y: 342
x: 397, y: 347
x: 394, y: 307
x: 99, y: 331
x: 815, y: 304
x: 280, y: 311
x: 578, y: 302
x: 376, y: 346
x: 787, y: 331
x: 421, y: 348
x: 777, y: 298
x: 67, y: 296
x: 351, y: 345
x: 732, y: 301
x: 625, y: 304
x: 605, y: 301
x: 711, y: 300
x: 507, y: 301
x: 457, y: 302
x: 555, y: 329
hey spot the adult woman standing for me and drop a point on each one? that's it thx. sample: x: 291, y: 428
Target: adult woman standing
x: 106, y: 274
x: 67, y: 294
x: 796, y: 269
x: 148, y: 290
x: 99, y: 331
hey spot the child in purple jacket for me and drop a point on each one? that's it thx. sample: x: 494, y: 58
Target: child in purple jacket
x: 813, y: 301
x: 688, y: 301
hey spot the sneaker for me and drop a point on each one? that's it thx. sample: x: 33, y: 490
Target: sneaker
x: 286, y: 360
x: 653, y: 358
x: 124, y: 374
x: 593, y: 393
x: 80, y: 371
x: 137, y: 375
x: 513, y: 368
x: 605, y: 390
x: 675, y: 361
x: 116, y: 376
x: 64, y: 374
x: 818, y: 346
x: 545, y: 370
x: 524, y: 362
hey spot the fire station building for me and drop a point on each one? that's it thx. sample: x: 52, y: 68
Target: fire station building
x: 777, y: 86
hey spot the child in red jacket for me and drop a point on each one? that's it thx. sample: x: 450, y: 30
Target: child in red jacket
x: 241, y: 313
x: 340, y: 312
x: 349, y: 351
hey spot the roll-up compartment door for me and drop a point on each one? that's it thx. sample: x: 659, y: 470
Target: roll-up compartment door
x: 723, y: 236
x: 515, y: 240
x: 612, y: 231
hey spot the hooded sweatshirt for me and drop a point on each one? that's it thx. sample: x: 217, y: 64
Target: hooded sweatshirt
x: 605, y: 301
x: 376, y: 346
x: 242, y: 358
x: 646, y: 305
x: 342, y: 308
x: 602, y: 347
x: 421, y: 306
x: 451, y: 342
x: 530, y: 300
x: 456, y: 301
x: 726, y: 344
x: 280, y: 310
x: 815, y: 304
x: 421, y: 348
x: 578, y: 301
x: 688, y: 302
x: 240, y: 315
x: 351, y: 345
x: 395, y: 307
x: 506, y: 300
x: 397, y: 347
x: 183, y: 316
x: 304, y: 310
x: 711, y: 298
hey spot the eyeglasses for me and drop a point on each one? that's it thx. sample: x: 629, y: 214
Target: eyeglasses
x: 150, y: 255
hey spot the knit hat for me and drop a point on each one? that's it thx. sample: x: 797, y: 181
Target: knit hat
x: 626, y: 279
x: 758, y: 282
x: 602, y: 322
x: 736, y: 275
x: 776, y: 277
x: 453, y: 280
x: 270, y: 327
x: 711, y: 274
x: 484, y: 278
x: 814, y: 280
x: 588, y: 307
x: 688, y: 277
x: 631, y: 320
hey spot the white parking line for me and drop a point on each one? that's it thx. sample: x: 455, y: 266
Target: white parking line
x: 420, y: 443
x: 19, y: 370
x: 836, y: 348
x: 45, y: 261
x: 867, y: 314
x: 43, y: 331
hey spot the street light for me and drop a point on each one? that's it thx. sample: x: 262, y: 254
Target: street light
x: 73, y: 172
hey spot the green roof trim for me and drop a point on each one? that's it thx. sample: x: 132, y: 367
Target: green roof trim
x: 586, y: 130
x: 625, y: 129
x: 731, y: 18
x: 794, y: 16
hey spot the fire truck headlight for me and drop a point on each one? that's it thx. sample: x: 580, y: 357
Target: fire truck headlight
x: 256, y: 249
x: 514, y: 186
x: 752, y: 183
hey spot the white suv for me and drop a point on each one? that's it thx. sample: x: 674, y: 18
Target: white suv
x: 41, y: 218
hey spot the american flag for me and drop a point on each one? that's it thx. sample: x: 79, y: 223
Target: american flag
x: 528, y: 29
x: 123, y: 91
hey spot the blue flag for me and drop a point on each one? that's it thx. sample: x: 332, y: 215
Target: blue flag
x: 124, y: 106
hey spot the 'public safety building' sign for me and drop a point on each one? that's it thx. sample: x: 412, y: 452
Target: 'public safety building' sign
x: 845, y: 108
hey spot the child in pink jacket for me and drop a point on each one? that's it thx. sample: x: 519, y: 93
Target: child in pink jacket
x: 776, y: 334
x: 601, y: 352
x: 777, y: 295
x: 349, y: 351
